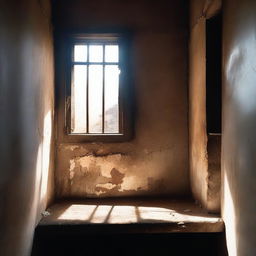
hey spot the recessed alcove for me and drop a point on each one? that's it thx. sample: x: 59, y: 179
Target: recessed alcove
x: 130, y: 186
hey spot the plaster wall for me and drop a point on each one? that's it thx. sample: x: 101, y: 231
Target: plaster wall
x: 26, y: 110
x: 203, y: 156
x: 239, y: 125
x: 155, y: 161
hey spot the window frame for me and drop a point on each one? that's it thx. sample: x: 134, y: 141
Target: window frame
x: 125, y: 95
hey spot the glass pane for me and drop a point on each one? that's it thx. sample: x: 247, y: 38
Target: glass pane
x: 111, y: 99
x: 95, y: 53
x: 78, y: 101
x: 80, y: 53
x: 95, y: 98
x: 111, y: 53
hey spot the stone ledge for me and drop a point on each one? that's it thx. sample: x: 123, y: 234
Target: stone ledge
x: 130, y: 216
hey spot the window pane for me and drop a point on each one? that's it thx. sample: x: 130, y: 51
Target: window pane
x: 111, y: 99
x: 95, y: 98
x: 111, y: 53
x: 78, y: 101
x: 80, y: 53
x: 95, y: 53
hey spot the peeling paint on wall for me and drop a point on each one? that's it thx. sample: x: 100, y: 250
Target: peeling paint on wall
x: 113, y: 174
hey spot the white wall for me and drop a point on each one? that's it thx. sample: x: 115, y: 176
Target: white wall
x: 239, y: 126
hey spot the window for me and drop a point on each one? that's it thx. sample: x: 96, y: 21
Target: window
x: 97, y: 87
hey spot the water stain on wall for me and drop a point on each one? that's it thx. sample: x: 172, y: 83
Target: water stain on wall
x: 90, y: 173
x: 96, y: 175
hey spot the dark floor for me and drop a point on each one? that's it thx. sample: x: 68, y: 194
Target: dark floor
x: 70, y: 240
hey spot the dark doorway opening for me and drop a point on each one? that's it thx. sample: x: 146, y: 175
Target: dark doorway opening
x: 213, y: 73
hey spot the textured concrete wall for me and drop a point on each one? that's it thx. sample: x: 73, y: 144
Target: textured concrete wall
x: 26, y: 110
x: 205, y: 180
x: 239, y: 126
x: 155, y: 161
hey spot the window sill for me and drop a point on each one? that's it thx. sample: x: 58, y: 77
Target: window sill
x: 88, y: 138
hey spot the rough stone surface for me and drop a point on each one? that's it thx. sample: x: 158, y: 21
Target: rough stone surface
x: 214, y: 172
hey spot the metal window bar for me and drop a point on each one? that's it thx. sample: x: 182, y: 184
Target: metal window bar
x: 94, y: 63
x: 103, y: 92
x: 87, y: 92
